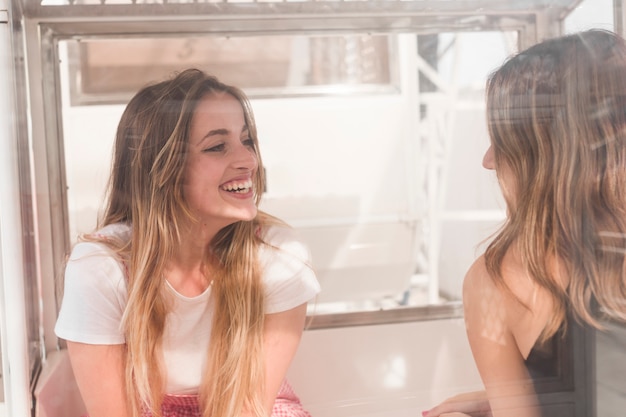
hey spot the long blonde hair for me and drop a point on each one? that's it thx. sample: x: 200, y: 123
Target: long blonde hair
x: 557, y: 119
x: 146, y: 192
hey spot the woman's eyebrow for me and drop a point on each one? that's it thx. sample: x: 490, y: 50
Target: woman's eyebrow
x: 215, y: 132
x: 220, y: 132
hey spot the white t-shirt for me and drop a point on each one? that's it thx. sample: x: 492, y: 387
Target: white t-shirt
x: 95, y: 297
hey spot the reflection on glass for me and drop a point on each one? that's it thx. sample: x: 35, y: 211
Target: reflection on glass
x: 112, y: 70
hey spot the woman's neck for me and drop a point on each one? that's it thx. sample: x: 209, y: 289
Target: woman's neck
x: 188, y: 271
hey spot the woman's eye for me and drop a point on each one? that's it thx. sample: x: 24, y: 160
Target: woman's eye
x: 216, y: 148
x: 248, y: 142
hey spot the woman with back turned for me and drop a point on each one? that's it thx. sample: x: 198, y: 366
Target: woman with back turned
x: 556, y: 114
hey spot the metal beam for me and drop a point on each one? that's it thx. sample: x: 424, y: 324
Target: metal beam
x: 13, y: 323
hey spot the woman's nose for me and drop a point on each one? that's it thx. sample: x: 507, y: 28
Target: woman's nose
x: 246, y: 158
x: 489, y: 160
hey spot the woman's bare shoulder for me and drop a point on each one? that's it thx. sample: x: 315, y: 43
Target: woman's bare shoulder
x: 521, y: 306
x: 478, y: 283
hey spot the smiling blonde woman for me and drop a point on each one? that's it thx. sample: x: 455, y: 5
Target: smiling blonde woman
x: 187, y: 300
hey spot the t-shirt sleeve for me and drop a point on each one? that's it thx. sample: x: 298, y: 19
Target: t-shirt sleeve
x: 94, y: 298
x: 287, y: 272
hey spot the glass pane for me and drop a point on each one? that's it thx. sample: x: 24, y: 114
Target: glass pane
x: 377, y: 182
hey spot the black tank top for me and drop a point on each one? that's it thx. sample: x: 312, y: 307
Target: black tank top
x: 551, y: 367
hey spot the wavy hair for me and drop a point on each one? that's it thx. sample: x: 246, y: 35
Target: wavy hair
x: 146, y: 192
x: 556, y: 114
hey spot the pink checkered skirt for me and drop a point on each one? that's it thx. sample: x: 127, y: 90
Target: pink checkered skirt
x: 287, y: 404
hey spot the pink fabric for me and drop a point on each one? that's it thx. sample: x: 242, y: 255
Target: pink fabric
x: 287, y: 404
x: 178, y: 406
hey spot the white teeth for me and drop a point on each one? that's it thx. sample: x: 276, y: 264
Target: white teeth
x: 238, y: 187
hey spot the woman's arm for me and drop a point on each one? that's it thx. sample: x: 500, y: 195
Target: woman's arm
x: 490, y: 315
x: 282, y: 335
x: 471, y: 404
x: 99, y: 372
x: 496, y: 323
